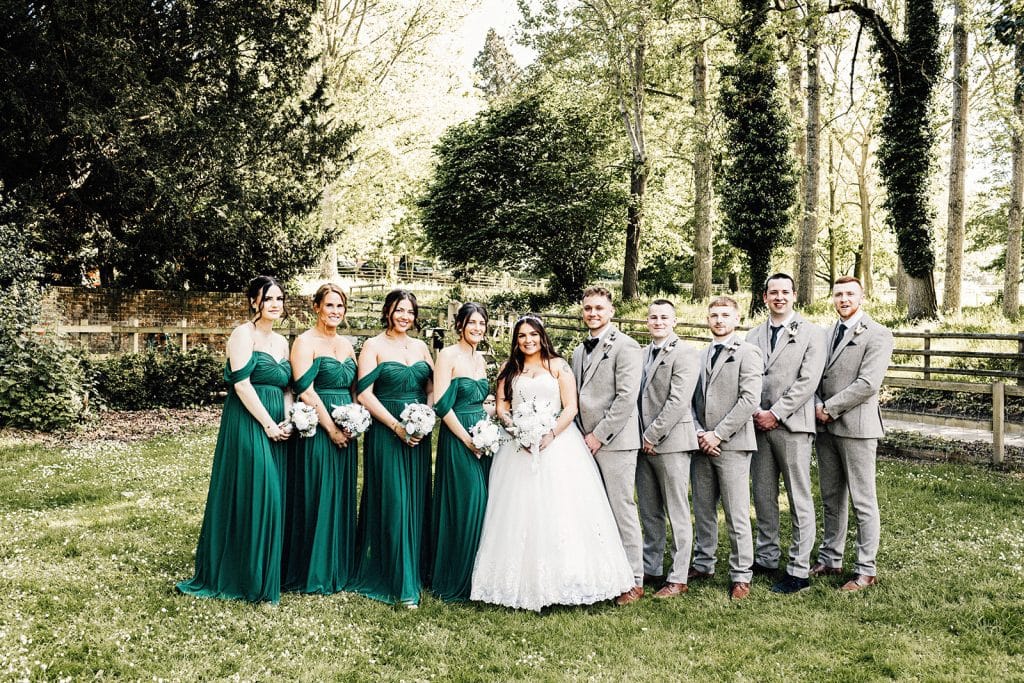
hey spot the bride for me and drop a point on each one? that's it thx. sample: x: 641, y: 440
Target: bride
x: 548, y: 535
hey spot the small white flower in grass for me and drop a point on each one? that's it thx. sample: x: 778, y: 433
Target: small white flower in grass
x: 352, y: 417
x: 304, y: 418
x: 418, y: 419
x: 486, y: 436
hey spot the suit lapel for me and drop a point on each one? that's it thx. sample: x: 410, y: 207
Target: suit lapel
x: 847, y: 338
x: 780, y: 341
x: 577, y: 365
x: 723, y: 358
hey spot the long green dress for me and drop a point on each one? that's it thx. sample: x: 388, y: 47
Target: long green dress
x: 239, y: 550
x: 460, y: 493
x: 320, y: 503
x: 393, y: 546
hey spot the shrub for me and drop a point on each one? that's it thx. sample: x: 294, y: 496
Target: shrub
x: 160, y: 378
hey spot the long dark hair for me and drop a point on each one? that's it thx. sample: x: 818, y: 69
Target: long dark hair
x: 514, y: 367
x: 394, y: 297
x: 465, y: 312
x: 257, y: 289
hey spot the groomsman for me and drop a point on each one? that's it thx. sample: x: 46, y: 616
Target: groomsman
x: 608, y: 365
x: 794, y: 356
x: 726, y: 397
x: 669, y: 377
x: 850, y: 426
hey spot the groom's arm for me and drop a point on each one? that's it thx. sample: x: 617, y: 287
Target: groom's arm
x: 626, y: 376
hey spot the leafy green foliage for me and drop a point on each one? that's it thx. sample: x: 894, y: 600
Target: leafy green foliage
x: 159, y: 378
x: 41, y: 382
x: 758, y: 183
x: 523, y: 186
x: 165, y: 144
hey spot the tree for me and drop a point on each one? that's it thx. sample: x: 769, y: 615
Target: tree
x: 166, y: 144
x: 495, y: 67
x: 703, y: 180
x: 758, y: 185
x: 909, y: 68
x: 812, y: 164
x: 957, y: 162
x: 524, y: 185
x: 1009, y: 29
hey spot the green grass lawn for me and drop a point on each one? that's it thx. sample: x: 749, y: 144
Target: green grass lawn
x: 95, y: 534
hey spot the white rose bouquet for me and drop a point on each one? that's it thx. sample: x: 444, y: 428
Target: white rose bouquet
x: 304, y: 418
x: 486, y: 436
x: 418, y: 419
x: 352, y: 417
x: 531, y: 421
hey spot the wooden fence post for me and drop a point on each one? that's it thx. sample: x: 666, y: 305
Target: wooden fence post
x: 1020, y: 356
x: 453, y: 308
x: 134, y: 322
x: 927, y: 357
x: 184, y: 335
x: 998, y: 422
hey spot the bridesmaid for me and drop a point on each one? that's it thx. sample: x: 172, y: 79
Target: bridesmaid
x: 393, y: 539
x: 320, y: 505
x: 460, y: 480
x: 239, y: 551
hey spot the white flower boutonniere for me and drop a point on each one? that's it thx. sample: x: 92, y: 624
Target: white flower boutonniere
x: 794, y: 327
x: 735, y: 345
x: 860, y: 328
x: 606, y: 347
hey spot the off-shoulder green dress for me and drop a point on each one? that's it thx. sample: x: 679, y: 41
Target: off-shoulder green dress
x: 393, y: 546
x: 460, y: 492
x: 239, y: 550
x: 320, y: 502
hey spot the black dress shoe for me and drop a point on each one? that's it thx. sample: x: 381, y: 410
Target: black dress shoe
x: 761, y: 570
x: 791, y: 584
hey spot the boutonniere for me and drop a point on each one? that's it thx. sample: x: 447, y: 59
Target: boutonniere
x: 793, y: 327
x: 860, y: 328
x: 608, y: 343
x: 735, y: 345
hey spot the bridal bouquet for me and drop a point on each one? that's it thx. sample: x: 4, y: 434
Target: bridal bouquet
x: 531, y: 420
x: 486, y: 436
x: 417, y: 419
x: 304, y: 418
x: 351, y: 417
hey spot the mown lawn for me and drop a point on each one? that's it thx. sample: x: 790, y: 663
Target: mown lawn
x: 95, y: 534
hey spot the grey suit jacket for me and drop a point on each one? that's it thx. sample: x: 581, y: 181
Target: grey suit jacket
x: 666, y: 415
x: 791, y: 372
x: 608, y: 388
x: 852, y: 377
x: 726, y: 402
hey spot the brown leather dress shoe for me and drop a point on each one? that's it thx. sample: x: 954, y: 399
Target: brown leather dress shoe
x: 697, y: 575
x: 632, y: 595
x: 670, y: 590
x: 858, y: 583
x: 739, y: 590
x: 819, y: 569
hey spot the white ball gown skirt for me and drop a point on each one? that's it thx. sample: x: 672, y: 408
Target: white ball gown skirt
x: 549, y: 537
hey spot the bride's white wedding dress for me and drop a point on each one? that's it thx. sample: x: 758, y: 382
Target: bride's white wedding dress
x: 549, y: 537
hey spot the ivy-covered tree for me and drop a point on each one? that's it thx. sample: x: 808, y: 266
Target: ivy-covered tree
x: 525, y: 186
x: 165, y: 144
x: 909, y: 69
x: 758, y: 183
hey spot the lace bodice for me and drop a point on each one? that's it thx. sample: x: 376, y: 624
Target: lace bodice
x: 542, y: 387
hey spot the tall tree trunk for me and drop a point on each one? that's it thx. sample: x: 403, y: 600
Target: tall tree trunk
x: 833, y: 248
x: 957, y: 163
x: 634, y: 224
x: 902, y: 285
x: 921, y: 300
x: 702, y: 254
x: 864, y: 198
x: 1011, y: 273
x: 809, y: 227
x: 329, y: 264
x: 795, y: 66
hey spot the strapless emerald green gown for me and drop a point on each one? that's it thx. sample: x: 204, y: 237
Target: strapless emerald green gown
x: 460, y: 493
x: 320, y: 502
x: 393, y: 537
x: 239, y: 550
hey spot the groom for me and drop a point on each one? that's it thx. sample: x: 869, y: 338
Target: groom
x: 608, y: 367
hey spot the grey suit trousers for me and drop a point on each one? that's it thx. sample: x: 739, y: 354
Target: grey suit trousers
x: 618, y: 469
x: 727, y: 477
x: 662, y: 484
x: 781, y: 451
x: 846, y: 471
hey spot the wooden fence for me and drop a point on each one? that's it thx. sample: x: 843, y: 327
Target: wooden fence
x: 989, y: 365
